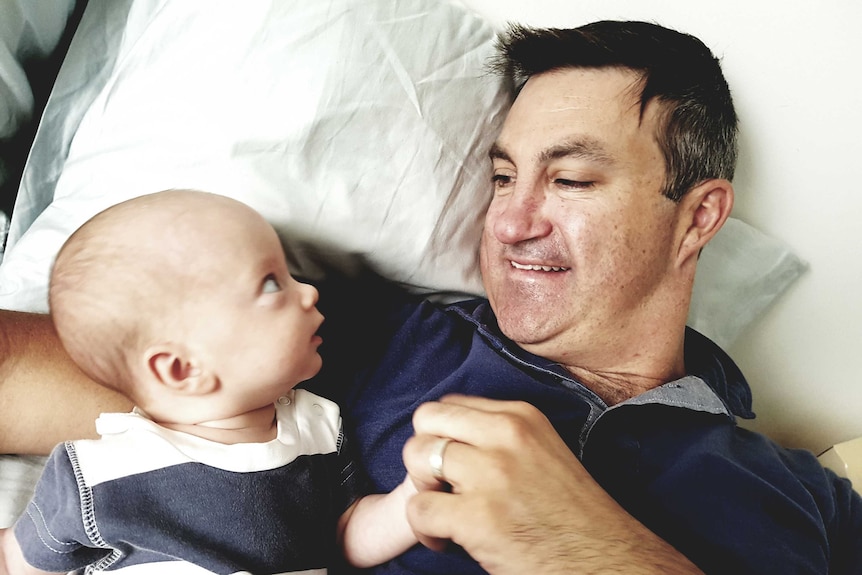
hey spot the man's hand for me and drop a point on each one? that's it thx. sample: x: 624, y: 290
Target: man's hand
x: 520, y: 501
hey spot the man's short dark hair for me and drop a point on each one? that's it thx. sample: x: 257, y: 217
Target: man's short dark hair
x: 698, y: 134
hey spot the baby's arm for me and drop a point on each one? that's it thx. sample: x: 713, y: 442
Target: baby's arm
x: 11, y: 559
x: 374, y: 529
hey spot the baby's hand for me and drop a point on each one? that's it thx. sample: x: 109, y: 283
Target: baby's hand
x: 11, y: 559
x: 4, y: 535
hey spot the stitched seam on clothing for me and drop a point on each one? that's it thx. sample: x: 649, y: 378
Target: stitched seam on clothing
x: 339, y: 443
x: 349, y: 467
x: 88, y: 514
x: 44, y: 527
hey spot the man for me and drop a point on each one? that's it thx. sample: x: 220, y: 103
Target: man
x: 611, y: 173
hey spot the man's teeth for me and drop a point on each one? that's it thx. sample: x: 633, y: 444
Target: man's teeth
x: 537, y: 268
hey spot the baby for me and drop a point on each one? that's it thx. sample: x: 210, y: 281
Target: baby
x: 182, y: 300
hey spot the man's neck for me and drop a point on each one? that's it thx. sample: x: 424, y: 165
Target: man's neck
x: 624, y: 374
x: 616, y: 387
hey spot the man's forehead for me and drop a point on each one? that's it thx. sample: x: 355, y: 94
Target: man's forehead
x: 586, y: 104
x: 582, y: 146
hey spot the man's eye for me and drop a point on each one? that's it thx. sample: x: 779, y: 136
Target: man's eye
x: 270, y: 284
x: 501, y: 180
x: 572, y: 184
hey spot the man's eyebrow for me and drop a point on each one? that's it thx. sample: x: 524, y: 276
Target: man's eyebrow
x: 585, y: 148
x: 498, y: 153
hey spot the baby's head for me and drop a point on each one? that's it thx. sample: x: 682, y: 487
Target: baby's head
x: 182, y: 301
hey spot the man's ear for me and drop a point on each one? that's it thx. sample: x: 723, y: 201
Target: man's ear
x: 704, y: 210
x: 175, y: 368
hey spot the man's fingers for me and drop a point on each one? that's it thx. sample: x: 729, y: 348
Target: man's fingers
x: 426, y: 513
x: 478, y: 402
x: 478, y: 421
x: 438, y: 517
x: 419, y: 453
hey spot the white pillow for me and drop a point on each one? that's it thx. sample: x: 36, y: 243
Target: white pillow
x: 740, y: 273
x: 359, y: 126
x: 29, y: 33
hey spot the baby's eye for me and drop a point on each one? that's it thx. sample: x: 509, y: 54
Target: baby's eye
x: 270, y: 284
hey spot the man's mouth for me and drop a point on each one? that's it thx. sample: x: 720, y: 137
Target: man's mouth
x: 537, y: 267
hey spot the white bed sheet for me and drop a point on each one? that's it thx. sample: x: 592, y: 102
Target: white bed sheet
x: 18, y: 475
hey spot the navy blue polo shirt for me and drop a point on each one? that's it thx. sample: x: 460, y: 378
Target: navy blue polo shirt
x: 729, y: 499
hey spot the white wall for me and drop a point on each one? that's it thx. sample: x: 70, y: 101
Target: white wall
x: 794, y: 70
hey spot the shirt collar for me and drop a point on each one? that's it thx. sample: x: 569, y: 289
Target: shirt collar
x: 713, y: 382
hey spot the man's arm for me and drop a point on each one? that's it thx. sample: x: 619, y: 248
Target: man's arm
x: 44, y: 397
x: 521, y: 502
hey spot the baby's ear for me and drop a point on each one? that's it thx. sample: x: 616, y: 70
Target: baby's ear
x: 175, y: 368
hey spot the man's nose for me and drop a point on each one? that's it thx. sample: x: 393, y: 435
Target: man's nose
x: 520, y: 215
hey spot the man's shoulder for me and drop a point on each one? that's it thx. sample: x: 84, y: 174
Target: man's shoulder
x: 706, y: 360
x: 433, y: 313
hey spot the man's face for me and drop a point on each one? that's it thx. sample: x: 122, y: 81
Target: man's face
x: 578, y: 239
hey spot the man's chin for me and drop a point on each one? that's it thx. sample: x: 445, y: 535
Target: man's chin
x: 525, y: 325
